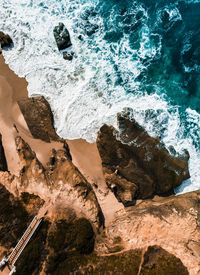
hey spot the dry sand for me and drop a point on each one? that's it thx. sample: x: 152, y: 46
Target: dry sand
x: 85, y: 155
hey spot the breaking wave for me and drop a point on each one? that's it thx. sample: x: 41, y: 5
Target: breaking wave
x: 139, y: 54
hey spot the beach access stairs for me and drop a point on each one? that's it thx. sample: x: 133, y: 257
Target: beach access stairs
x: 7, y: 264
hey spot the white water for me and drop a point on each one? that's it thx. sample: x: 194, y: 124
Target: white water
x: 80, y: 93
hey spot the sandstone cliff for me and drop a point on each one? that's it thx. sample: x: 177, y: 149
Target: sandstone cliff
x: 142, y: 239
x: 61, y: 183
x: 171, y: 223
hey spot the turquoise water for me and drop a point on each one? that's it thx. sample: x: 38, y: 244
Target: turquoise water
x: 173, y: 71
x: 139, y: 54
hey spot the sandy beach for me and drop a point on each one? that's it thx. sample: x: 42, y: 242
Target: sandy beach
x: 85, y: 155
x: 12, y: 121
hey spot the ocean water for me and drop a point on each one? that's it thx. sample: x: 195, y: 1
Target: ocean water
x: 142, y: 54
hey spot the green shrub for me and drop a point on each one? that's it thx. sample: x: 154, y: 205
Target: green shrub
x: 26, y: 197
x: 13, y: 218
x: 84, y: 241
x: 70, y: 243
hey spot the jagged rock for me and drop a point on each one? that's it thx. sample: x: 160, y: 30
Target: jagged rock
x: 32, y: 171
x: 3, y: 162
x: 39, y: 118
x: 5, y: 40
x: 67, y: 177
x: 124, y: 190
x: 60, y: 183
x: 144, y: 162
x: 62, y: 37
x: 168, y: 222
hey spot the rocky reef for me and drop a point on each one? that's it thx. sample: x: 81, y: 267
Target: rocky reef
x: 137, y: 166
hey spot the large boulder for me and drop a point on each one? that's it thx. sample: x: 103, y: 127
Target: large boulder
x: 38, y: 116
x: 5, y: 40
x: 62, y: 37
x: 140, y: 159
x: 3, y: 162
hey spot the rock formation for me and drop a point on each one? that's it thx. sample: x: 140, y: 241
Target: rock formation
x: 3, y: 162
x: 62, y: 37
x: 61, y: 183
x: 32, y: 171
x: 39, y: 118
x: 67, y: 178
x: 5, y: 40
x: 171, y: 223
x: 143, y: 163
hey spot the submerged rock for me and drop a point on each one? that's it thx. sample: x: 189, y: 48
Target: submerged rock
x: 62, y: 37
x: 68, y: 56
x: 5, y: 40
x: 39, y: 118
x: 144, y: 163
x: 3, y: 162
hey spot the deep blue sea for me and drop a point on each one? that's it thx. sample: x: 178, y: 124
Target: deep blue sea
x: 139, y: 54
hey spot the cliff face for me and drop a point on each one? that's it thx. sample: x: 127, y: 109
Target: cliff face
x: 72, y: 185
x: 137, y: 166
x: 60, y: 183
x: 3, y: 162
x: 148, y: 235
x: 171, y: 223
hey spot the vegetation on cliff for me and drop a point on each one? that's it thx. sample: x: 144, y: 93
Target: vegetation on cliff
x: 13, y: 218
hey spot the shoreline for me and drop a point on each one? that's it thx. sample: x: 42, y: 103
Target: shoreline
x: 85, y: 156
x: 151, y: 222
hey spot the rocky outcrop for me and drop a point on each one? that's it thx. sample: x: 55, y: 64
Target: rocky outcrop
x: 32, y: 171
x: 39, y: 118
x: 63, y: 41
x: 60, y: 184
x: 139, y: 159
x: 171, y: 223
x: 3, y: 162
x: 5, y: 40
x: 124, y: 190
x: 67, y: 178
x: 62, y: 37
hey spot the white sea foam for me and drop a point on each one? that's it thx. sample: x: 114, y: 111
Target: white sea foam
x: 83, y: 93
